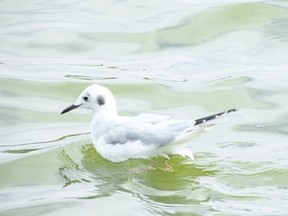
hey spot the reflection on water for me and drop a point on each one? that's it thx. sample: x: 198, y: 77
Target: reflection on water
x: 143, y: 178
x: 184, y: 59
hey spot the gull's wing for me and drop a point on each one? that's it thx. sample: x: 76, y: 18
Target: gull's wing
x: 147, y: 129
x: 150, y: 129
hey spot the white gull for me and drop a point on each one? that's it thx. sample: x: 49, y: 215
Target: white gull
x: 119, y: 138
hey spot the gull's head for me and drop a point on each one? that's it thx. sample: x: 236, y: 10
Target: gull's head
x: 96, y: 98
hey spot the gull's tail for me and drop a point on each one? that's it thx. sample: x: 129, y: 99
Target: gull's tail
x: 211, y: 117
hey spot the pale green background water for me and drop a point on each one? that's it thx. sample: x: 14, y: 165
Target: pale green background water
x: 183, y: 58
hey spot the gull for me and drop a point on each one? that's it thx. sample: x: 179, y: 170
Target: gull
x: 119, y: 138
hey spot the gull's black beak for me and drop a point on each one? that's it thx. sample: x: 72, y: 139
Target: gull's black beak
x: 67, y: 109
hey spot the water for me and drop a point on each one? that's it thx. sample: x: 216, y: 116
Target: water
x: 186, y: 59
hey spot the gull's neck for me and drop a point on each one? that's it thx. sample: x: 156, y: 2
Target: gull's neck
x: 102, y: 122
x: 105, y: 115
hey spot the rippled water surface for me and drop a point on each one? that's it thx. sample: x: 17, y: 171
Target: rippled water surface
x: 181, y: 58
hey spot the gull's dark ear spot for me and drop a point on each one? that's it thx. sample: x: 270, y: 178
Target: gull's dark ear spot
x: 100, y: 100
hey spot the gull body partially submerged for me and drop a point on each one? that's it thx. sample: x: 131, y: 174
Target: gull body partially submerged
x: 119, y: 138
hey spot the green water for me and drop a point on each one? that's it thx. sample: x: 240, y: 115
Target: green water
x: 187, y: 59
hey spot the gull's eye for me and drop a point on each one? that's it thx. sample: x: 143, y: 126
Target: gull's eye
x: 85, y: 98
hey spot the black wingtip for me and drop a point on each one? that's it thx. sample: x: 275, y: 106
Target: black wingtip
x: 212, y: 117
x: 232, y: 110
